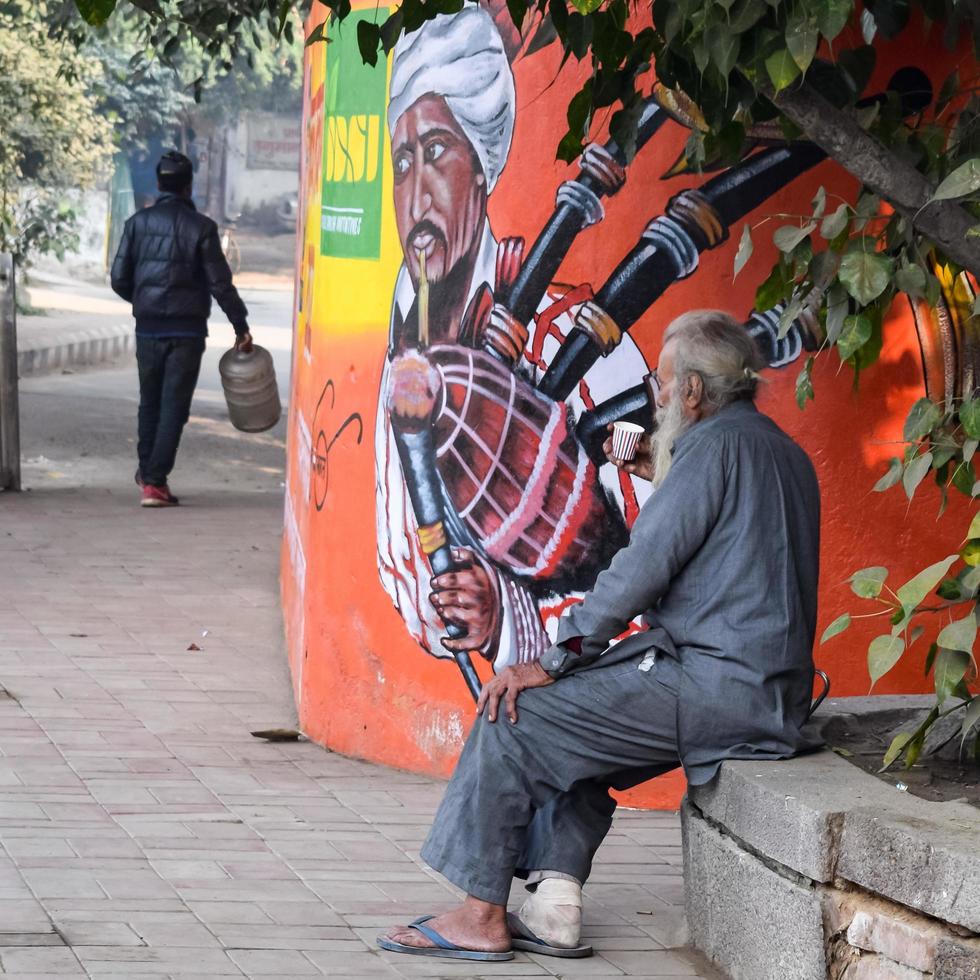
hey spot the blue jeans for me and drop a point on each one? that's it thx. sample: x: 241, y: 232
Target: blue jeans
x: 168, y: 369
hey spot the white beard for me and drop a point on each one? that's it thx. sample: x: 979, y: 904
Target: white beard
x: 671, y: 424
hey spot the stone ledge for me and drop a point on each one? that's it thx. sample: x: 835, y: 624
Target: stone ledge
x: 753, y: 922
x: 823, y: 817
x: 956, y: 960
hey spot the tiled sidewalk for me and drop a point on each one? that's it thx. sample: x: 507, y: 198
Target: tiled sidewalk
x: 146, y: 834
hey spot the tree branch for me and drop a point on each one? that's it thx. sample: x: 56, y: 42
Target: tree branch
x: 836, y: 132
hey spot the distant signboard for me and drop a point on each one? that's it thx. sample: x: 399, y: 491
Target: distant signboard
x: 273, y: 142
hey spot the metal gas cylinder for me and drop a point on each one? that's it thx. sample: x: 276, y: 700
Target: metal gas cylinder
x: 249, y: 382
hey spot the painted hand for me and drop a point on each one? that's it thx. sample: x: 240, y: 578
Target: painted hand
x: 468, y: 597
x: 507, y: 685
x: 641, y: 464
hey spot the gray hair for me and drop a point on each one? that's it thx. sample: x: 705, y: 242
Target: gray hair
x: 720, y: 351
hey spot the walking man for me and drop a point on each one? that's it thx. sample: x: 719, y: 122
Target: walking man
x: 722, y: 565
x: 169, y: 265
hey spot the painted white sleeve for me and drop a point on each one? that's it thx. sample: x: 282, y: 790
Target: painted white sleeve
x: 522, y: 637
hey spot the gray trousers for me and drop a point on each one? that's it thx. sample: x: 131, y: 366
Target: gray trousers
x: 535, y: 795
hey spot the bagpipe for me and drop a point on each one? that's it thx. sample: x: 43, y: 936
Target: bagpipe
x: 495, y: 462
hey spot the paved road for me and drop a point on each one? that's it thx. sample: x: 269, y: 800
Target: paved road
x: 145, y: 833
x: 81, y: 428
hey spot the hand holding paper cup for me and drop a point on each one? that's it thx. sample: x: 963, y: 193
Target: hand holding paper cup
x: 625, y: 437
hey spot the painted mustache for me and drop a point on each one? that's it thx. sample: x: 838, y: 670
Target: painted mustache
x: 424, y: 237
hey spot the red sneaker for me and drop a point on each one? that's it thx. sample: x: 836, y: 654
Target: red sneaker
x: 158, y: 497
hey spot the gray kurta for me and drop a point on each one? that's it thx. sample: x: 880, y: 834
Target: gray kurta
x: 722, y: 564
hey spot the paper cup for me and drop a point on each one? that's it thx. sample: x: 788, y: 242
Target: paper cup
x: 625, y: 437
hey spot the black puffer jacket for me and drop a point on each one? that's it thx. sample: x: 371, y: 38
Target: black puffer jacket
x: 169, y: 265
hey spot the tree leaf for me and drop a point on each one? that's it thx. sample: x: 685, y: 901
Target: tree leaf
x: 789, y: 236
x: 804, y: 384
x: 856, y: 333
x: 801, y: 38
x: 723, y: 45
x: 915, y: 473
x: 919, y: 586
x: 960, y: 634
x: 883, y: 653
x: 969, y: 448
x: 970, y: 417
x: 974, y: 531
x: 867, y: 583
x: 317, y: 34
x: 915, y: 749
x: 788, y: 317
x: 965, y: 179
x: 865, y: 275
x: 894, y: 474
x: 948, y: 671
x: 782, y: 69
x: 963, y: 478
x: 95, y: 12
x: 837, y: 626
x: 869, y: 26
x: 744, y: 252
x: 970, y: 553
x: 368, y: 37
x: 923, y: 417
x: 835, y: 223
x: 866, y: 115
x: 895, y: 749
x: 748, y: 13
x: 776, y: 287
x: 832, y: 17
x: 837, y: 307
x: 819, y: 203
x: 947, y: 90
x: 970, y: 719
x: 911, y: 280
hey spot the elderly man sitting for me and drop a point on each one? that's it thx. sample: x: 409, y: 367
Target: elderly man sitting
x: 722, y: 567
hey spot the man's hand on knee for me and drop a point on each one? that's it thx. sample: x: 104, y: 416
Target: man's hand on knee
x: 507, y: 685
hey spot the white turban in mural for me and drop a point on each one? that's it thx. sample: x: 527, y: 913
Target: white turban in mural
x: 460, y: 57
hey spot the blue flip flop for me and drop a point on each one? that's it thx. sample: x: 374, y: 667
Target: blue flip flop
x: 522, y: 938
x: 443, y: 947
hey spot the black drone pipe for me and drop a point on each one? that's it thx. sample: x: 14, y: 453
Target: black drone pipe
x: 417, y: 455
x: 570, y: 217
x: 669, y: 248
x: 694, y: 221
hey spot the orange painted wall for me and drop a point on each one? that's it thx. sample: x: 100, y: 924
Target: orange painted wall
x: 363, y: 686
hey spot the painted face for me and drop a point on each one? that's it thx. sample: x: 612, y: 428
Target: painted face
x: 440, y: 189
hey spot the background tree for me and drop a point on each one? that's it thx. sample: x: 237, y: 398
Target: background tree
x: 54, y: 142
x: 744, y: 72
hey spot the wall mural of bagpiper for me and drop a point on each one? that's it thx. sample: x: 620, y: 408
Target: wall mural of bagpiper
x: 495, y: 502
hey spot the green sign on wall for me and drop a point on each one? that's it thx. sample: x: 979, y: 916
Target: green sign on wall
x: 353, y: 144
